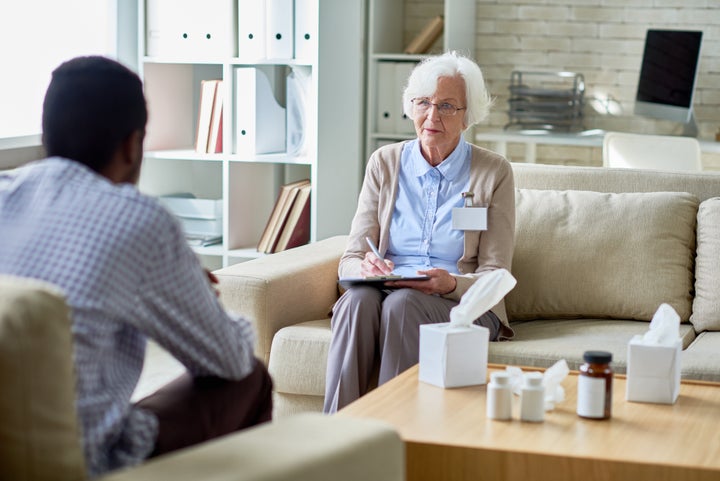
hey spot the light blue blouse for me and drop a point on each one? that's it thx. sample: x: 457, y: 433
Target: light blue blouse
x: 421, y: 233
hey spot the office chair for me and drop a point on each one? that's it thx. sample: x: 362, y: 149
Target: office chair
x: 659, y: 152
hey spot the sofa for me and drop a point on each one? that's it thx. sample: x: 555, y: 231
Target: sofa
x: 40, y: 434
x: 597, y: 251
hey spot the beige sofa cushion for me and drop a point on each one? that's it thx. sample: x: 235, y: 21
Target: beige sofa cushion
x: 706, y: 305
x: 288, y: 287
x: 542, y: 343
x: 299, y: 353
x: 702, y: 359
x: 306, y: 447
x: 602, y: 255
x: 39, y: 432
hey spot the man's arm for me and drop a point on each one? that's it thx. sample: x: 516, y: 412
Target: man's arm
x: 178, y: 308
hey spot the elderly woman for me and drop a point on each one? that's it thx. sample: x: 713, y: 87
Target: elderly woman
x: 405, y: 208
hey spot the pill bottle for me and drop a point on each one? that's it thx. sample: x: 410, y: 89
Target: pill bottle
x: 594, y: 390
x: 499, y: 397
x: 532, y: 398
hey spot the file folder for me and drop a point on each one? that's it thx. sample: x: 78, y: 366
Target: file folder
x: 214, y: 27
x: 251, y: 30
x: 403, y: 124
x: 279, y: 33
x: 386, y: 98
x: 260, y: 119
x: 306, y: 30
x: 160, y: 40
x: 189, y: 29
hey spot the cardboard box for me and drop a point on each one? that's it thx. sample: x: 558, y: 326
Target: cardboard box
x: 653, y: 372
x: 453, y: 356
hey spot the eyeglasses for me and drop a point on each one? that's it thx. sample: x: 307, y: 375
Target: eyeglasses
x: 422, y: 105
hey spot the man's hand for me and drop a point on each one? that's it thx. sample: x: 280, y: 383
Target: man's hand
x: 213, y: 280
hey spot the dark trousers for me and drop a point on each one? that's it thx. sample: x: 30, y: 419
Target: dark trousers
x: 193, y: 410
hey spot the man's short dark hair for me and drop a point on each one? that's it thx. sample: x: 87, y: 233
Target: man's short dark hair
x: 91, y: 106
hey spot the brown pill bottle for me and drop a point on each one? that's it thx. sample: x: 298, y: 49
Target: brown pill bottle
x: 594, y: 390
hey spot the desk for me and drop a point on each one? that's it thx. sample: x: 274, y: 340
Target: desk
x: 589, y: 138
x: 448, y: 437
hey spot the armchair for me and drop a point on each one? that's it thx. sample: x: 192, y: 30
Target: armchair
x: 289, y: 296
x: 40, y: 433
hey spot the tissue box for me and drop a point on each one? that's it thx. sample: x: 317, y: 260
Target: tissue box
x: 453, y: 356
x: 653, y: 372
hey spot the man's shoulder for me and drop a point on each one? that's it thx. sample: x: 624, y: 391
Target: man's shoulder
x: 139, y: 208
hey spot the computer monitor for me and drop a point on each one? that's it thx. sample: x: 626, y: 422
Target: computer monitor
x: 667, y: 77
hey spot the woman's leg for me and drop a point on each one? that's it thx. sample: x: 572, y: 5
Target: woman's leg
x: 404, y: 310
x: 355, y: 326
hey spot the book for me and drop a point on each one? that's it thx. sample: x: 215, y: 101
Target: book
x: 214, y: 145
x: 278, y: 216
x: 293, y: 190
x: 427, y: 36
x: 296, y: 230
x: 205, y: 112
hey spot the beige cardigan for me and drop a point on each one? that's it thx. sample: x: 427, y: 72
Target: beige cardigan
x: 491, y: 181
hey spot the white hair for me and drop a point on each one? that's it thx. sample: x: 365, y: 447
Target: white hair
x: 424, y: 78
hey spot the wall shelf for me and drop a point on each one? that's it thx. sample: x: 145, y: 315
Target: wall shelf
x: 248, y: 184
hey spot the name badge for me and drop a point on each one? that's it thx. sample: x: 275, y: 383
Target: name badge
x: 469, y: 218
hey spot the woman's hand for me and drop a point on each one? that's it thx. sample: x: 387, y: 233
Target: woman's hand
x: 440, y: 282
x: 371, y: 266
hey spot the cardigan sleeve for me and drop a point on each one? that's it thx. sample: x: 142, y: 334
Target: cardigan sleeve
x: 375, y: 206
x: 493, y: 184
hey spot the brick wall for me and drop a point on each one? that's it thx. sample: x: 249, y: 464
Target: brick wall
x: 601, y: 39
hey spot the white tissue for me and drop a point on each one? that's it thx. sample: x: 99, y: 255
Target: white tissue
x: 664, y: 327
x: 554, y: 375
x: 487, y: 291
x: 552, y: 379
x: 516, y: 379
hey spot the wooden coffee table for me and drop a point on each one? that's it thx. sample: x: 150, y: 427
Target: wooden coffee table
x: 448, y: 436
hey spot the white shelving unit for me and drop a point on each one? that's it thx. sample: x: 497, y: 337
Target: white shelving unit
x: 248, y: 184
x: 385, y: 51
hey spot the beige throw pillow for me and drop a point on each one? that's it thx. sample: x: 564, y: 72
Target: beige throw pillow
x: 706, y: 305
x: 39, y: 433
x: 590, y: 254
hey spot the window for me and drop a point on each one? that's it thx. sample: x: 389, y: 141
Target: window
x: 35, y: 37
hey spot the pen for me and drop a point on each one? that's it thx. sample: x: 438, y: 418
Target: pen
x: 374, y: 249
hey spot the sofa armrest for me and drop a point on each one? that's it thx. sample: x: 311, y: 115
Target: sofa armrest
x: 307, y: 446
x: 283, y: 289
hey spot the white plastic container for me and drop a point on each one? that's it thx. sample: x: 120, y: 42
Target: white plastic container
x: 532, y: 398
x: 499, y: 397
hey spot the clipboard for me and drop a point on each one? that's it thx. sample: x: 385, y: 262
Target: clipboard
x: 376, y: 281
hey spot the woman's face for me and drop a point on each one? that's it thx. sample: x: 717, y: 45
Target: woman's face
x: 440, y: 134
